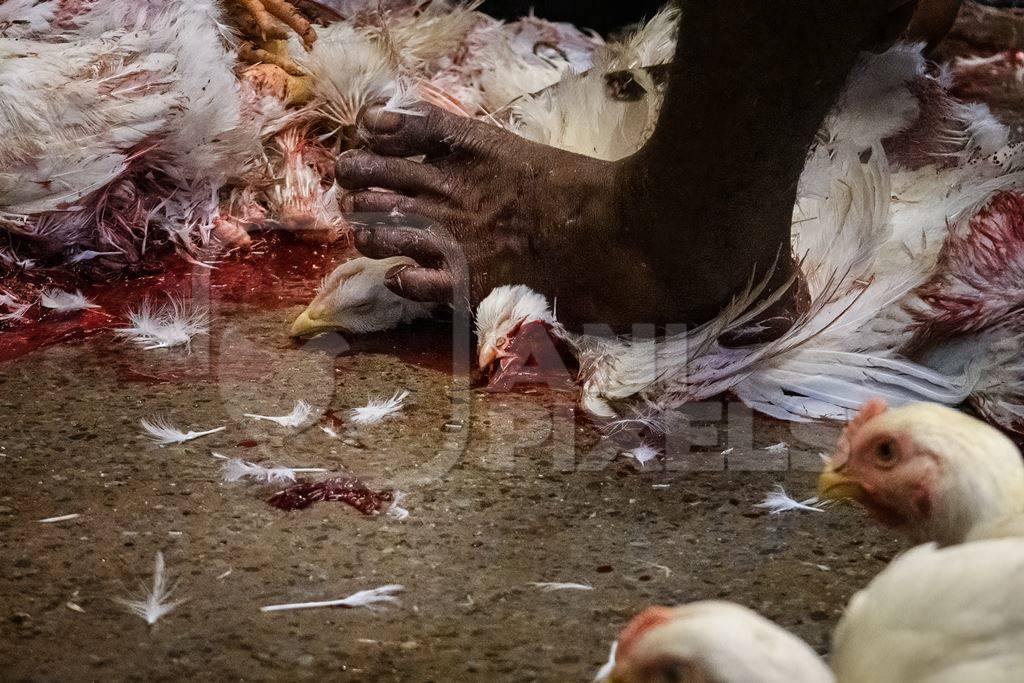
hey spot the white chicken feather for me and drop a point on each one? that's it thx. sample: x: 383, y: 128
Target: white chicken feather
x: 940, y: 616
x: 163, y: 433
x: 172, y: 324
x: 157, y: 602
x: 64, y: 302
x: 125, y: 115
x: 296, y: 418
x: 868, y: 232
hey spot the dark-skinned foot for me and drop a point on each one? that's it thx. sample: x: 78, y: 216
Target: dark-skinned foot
x: 486, y: 208
x: 668, y: 236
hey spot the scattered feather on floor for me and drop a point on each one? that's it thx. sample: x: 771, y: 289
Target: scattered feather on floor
x: 820, y: 567
x: 237, y: 469
x: 172, y: 324
x: 18, y: 313
x: 157, y: 602
x: 376, y: 410
x: 61, y: 518
x: 777, y: 448
x: 329, y: 432
x: 777, y: 502
x: 164, y: 433
x: 642, y: 455
x: 660, y: 567
x: 299, y: 415
x: 606, y: 669
x: 395, y: 510
x: 7, y: 299
x: 64, y: 302
x: 370, y: 599
x: 548, y: 586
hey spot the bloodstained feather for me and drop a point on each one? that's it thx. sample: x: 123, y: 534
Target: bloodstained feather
x: 344, y: 489
x: 979, y: 279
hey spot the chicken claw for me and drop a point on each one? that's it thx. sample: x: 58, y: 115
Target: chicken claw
x: 274, y: 17
x: 250, y: 54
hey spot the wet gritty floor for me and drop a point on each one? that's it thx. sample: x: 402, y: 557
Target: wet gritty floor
x: 503, y: 490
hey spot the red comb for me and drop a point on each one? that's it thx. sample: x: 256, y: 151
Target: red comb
x: 639, y: 625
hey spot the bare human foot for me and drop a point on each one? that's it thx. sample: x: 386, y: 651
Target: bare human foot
x: 667, y: 236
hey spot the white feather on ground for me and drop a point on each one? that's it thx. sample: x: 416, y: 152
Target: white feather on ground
x: 164, y: 433
x: 370, y: 599
x: 17, y: 314
x: 157, y: 602
x: 642, y: 454
x: 64, y: 302
x: 299, y: 415
x: 395, y: 510
x: 61, y: 518
x: 328, y: 431
x: 8, y: 299
x: 549, y: 586
x: 172, y: 324
x: 780, y: 447
x: 237, y: 469
x: 777, y: 502
x: 376, y: 409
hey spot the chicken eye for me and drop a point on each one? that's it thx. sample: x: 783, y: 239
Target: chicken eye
x: 885, y: 454
x: 549, y: 52
x: 502, y: 342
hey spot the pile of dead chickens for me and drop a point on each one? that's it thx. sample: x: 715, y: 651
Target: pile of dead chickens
x: 128, y: 126
x: 122, y: 133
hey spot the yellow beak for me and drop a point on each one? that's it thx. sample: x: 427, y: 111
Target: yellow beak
x: 304, y: 326
x: 488, y: 354
x: 833, y: 485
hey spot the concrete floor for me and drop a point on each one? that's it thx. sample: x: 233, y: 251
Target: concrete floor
x: 504, y: 490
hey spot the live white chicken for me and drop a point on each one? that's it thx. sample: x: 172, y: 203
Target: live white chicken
x: 931, y: 472
x: 935, y: 615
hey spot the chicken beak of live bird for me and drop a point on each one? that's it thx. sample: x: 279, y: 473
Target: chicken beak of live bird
x: 834, y: 485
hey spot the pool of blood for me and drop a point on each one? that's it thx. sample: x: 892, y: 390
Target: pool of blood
x: 278, y: 272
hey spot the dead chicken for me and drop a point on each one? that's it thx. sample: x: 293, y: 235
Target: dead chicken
x: 353, y: 299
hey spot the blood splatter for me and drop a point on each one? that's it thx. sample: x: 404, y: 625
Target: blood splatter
x: 278, y: 272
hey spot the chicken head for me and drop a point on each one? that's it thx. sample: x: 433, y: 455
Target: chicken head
x: 930, y: 471
x: 353, y: 299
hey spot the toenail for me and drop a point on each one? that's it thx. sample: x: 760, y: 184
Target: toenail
x: 392, y: 276
x: 382, y: 121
